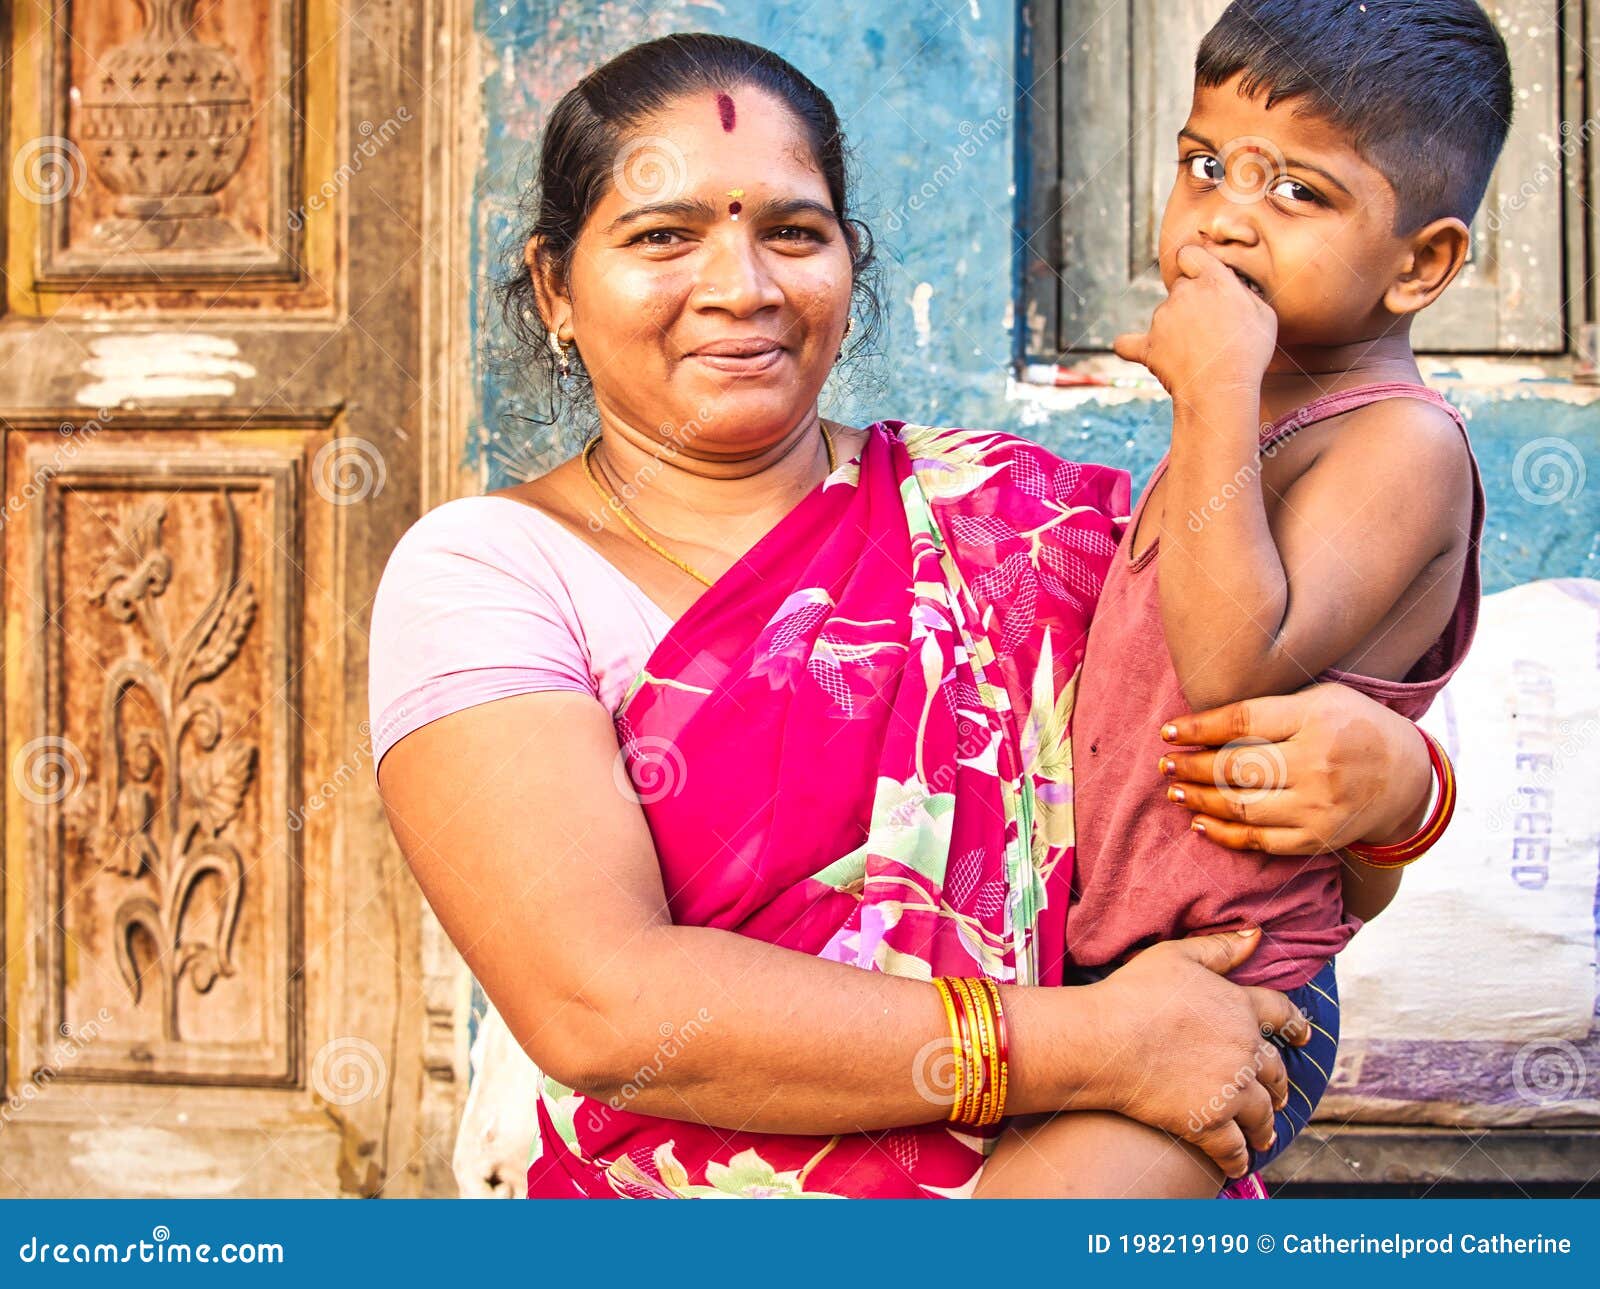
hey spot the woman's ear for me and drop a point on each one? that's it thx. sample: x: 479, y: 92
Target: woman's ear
x: 1435, y: 254
x: 555, y: 306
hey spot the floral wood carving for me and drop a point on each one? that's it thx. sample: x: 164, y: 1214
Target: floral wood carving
x: 163, y: 792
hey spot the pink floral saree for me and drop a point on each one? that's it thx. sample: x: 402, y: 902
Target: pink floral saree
x: 855, y: 745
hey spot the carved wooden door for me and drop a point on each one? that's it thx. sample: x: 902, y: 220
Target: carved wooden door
x: 225, y: 306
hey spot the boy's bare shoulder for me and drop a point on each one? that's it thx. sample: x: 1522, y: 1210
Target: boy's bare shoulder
x: 1409, y: 440
x: 1405, y: 465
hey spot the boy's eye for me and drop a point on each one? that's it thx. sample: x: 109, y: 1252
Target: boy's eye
x: 1289, y: 190
x: 1204, y: 166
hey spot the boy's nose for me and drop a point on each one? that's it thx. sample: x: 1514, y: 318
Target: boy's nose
x: 1228, y: 222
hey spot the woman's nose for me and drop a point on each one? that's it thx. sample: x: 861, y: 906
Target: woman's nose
x: 732, y: 277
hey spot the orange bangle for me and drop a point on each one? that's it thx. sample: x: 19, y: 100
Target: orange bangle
x: 1002, y: 1049
x: 955, y: 1043
x: 978, y: 999
x: 1419, y: 843
x: 973, y: 1051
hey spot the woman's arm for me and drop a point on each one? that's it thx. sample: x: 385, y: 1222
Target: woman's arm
x: 1323, y: 768
x: 544, y: 875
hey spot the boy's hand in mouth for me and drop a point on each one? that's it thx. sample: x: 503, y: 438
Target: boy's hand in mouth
x: 1212, y: 337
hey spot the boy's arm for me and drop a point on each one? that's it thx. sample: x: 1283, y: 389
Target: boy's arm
x: 1253, y: 609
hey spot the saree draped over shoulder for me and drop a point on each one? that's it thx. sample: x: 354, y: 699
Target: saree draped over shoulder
x: 855, y: 745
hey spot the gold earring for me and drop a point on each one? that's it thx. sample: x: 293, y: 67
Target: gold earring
x: 563, y: 353
x: 849, y: 326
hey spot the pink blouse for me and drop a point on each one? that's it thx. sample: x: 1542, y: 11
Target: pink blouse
x: 486, y: 597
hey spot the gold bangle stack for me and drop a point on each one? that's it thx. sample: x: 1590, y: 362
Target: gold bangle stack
x: 978, y: 1031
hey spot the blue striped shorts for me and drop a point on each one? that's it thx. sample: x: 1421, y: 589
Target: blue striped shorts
x: 1310, y: 1066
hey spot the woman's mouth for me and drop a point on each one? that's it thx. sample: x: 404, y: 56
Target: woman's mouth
x: 741, y: 357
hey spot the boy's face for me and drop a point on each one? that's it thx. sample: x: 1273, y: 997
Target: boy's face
x: 1285, y: 201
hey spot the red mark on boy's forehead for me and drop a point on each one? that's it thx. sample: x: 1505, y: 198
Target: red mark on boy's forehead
x: 725, y: 111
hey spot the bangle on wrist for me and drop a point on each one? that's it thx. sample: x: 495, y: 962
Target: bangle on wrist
x: 978, y: 1031
x: 1419, y: 843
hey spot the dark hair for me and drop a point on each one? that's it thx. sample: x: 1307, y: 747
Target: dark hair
x: 584, y: 138
x: 1423, y: 87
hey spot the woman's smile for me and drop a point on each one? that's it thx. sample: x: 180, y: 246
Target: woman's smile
x: 750, y: 356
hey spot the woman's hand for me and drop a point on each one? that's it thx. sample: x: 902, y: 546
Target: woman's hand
x: 1299, y: 774
x: 1185, y: 1050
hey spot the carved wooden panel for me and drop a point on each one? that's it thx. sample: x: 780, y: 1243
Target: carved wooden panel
x: 162, y: 598
x: 176, y: 132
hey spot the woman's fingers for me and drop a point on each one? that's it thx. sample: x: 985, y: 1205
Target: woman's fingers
x: 1255, y: 1117
x: 1275, y: 717
x: 1253, y: 766
x: 1277, y: 1014
x: 1274, y: 1076
x: 1241, y: 805
x: 1269, y: 840
x: 1226, y: 1145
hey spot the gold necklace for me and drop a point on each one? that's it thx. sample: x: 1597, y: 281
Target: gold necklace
x: 622, y: 511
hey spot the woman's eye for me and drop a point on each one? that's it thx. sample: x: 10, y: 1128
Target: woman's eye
x: 1289, y: 190
x: 657, y: 237
x: 1205, y: 167
x: 795, y: 233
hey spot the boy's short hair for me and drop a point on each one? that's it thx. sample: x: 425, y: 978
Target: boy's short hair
x: 1423, y: 87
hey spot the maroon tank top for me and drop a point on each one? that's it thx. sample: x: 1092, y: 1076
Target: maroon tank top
x: 1140, y: 874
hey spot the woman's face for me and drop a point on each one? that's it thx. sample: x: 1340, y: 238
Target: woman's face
x: 692, y: 323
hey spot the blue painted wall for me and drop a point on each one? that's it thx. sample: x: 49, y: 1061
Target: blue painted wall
x: 926, y: 94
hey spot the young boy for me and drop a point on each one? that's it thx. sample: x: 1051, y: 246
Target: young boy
x: 1317, y: 517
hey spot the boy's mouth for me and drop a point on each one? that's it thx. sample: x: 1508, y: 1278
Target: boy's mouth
x: 1250, y: 282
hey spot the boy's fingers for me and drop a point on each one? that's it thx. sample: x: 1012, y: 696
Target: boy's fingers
x: 1196, y: 261
x: 1133, y: 346
x: 1274, y: 718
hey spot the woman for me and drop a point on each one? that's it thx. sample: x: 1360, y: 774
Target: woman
x: 840, y: 665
